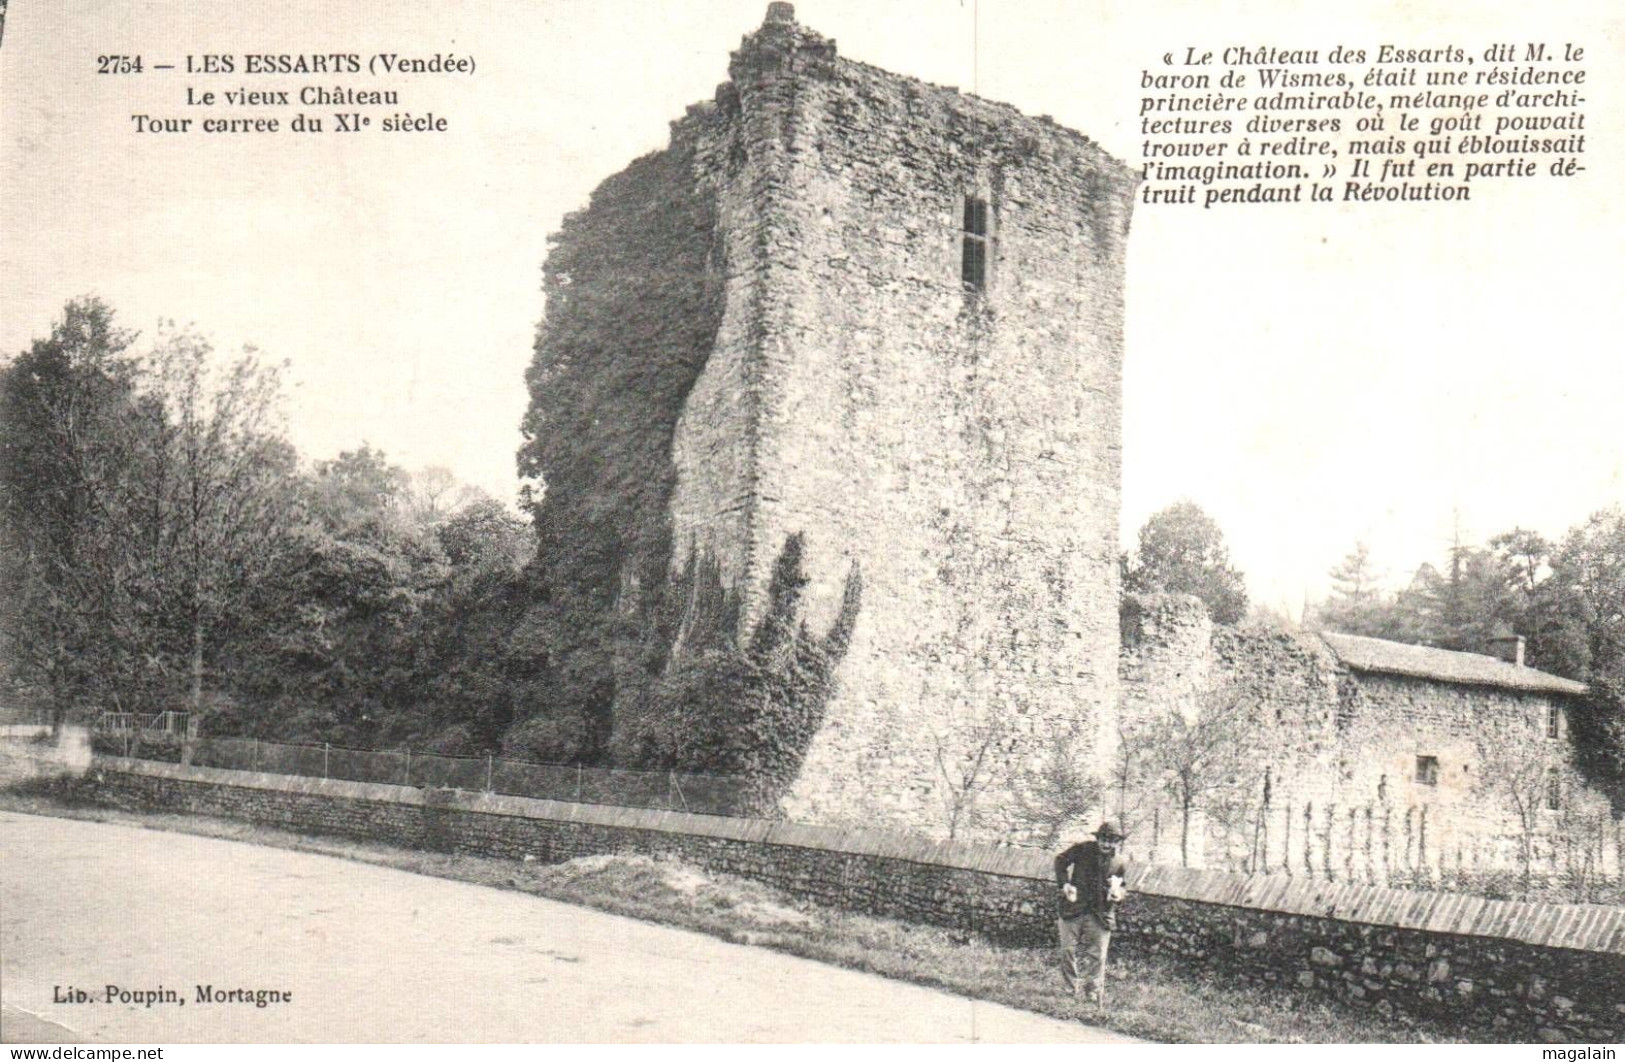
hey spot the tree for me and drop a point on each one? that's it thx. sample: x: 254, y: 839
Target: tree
x: 460, y: 645
x: 1060, y: 791
x: 485, y: 535
x: 1597, y: 728
x: 344, y: 662
x: 1355, y: 580
x: 1518, y: 773
x: 1202, y: 759
x: 218, y: 495
x: 1575, y: 620
x: 1357, y: 604
x: 1462, y: 608
x: 1586, y: 595
x: 159, y: 540
x: 1522, y: 557
x: 1181, y: 550
x: 963, y: 771
x: 433, y: 495
x: 67, y: 410
x: 1583, y: 830
x: 1523, y: 560
x: 1133, y: 776
x: 1465, y: 607
x: 358, y: 493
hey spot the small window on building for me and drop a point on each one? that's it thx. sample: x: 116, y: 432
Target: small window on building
x: 1554, y: 789
x: 973, y: 260
x: 1554, y: 720
x: 1427, y: 770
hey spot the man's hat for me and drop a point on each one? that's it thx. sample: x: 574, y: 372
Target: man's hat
x: 1108, y: 832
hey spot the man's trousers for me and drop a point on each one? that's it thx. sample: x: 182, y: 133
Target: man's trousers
x: 1083, y: 955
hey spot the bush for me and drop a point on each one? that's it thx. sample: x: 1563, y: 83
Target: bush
x: 65, y: 789
x: 562, y: 736
x: 751, y: 710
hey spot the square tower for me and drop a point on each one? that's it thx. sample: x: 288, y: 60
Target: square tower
x: 885, y: 319
x: 919, y: 370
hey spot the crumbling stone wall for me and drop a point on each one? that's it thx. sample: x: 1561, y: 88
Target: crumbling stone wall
x: 959, y: 447
x: 1174, y: 659
x: 1167, y: 660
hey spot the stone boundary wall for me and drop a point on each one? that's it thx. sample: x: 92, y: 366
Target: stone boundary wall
x: 1517, y: 970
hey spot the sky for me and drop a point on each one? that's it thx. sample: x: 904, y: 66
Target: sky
x: 1312, y: 376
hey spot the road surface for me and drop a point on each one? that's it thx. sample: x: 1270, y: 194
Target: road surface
x: 370, y: 954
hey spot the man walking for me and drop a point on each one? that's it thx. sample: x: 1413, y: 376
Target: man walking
x: 1090, y: 877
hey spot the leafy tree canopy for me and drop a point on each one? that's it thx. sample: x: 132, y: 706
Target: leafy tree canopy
x: 1181, y: 551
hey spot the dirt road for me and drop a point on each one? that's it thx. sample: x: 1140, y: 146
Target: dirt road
x: 368, y: 954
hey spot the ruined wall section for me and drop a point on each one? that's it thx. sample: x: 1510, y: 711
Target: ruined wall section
x: 1176, y: 660
x: 714, y: 444
x: 1167, y: 656
x: 961, y: 448
x: 1294, y: 685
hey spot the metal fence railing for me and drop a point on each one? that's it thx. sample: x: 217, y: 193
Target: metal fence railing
x: 169, y: 723
x: 24, y: 725
x: 671, y: 790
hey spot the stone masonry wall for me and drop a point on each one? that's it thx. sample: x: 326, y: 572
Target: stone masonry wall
x: 1174, y: 659
x: 1509, y: 970
x: 715, y: 443
x: 1334, y: 789
x: 961, y: 448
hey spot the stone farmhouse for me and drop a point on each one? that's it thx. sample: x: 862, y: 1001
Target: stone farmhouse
x: 1367, y: 758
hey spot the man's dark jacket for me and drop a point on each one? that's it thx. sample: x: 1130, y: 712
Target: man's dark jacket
x: 1084, y: 866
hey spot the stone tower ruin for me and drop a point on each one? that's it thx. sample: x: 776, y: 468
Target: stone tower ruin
x: 900, y: 309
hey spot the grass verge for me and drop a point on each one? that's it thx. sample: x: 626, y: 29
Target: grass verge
x: 1149, y: 997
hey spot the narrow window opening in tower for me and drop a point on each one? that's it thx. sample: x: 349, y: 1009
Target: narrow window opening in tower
x: 973, y: 260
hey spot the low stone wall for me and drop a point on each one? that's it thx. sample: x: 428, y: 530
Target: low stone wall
x: 1518, y: 970
x: 23, y: 757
